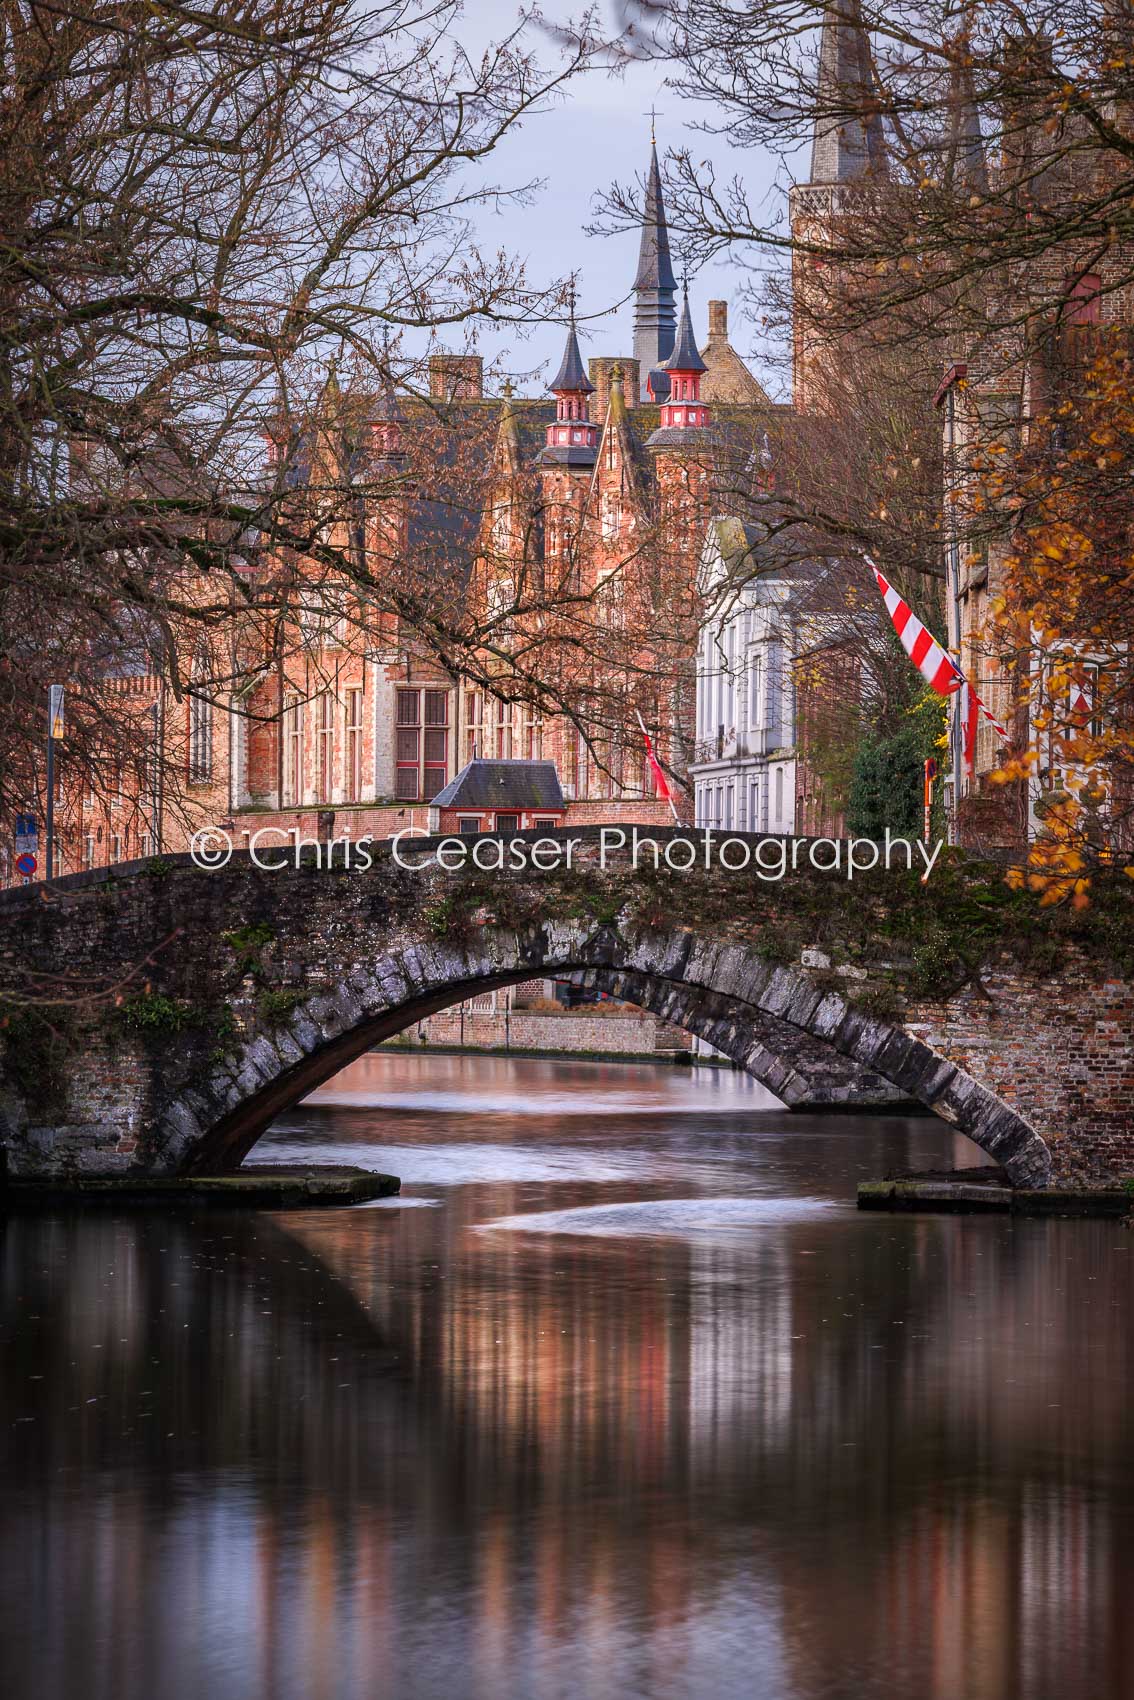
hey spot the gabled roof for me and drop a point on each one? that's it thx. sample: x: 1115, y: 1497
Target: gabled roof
x: 503, y: 785
x: 727, y: 378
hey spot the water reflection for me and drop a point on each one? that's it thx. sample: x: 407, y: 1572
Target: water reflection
x: 758, y: 1444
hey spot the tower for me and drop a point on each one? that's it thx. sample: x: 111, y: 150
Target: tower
x: 847, y: 142
x: 655, y: 316
x: 682, y: 451
x: 848, y: 163
x: 568, y: 457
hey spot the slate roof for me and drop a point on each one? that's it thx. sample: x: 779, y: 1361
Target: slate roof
x: 685, y: 356
x: 655, y: 268
x: 571, y: 375
x: 845, y: 146
x: 503, y: 785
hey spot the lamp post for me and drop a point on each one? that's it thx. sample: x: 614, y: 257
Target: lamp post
x: 956, y: 377
x: 54, y: 731
x: 156, y: 771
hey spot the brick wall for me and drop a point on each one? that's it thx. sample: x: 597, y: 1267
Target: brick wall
x: 523, y: 1030
x: 1059, y: 1049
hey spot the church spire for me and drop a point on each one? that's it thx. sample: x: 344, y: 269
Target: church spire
x: 655, y: 317
x: 847, y: 141
x: 966, y: 158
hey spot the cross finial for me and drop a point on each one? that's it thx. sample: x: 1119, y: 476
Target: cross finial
x: 507, y: 390
x: 653, y: 115
x: 571, y: 298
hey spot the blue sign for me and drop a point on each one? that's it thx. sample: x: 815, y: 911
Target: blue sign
x: 26, y: 864
x: 27, y: 833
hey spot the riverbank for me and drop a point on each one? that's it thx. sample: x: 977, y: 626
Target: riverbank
x: 674, y: 1058
x: 264, y: 1186
x: 977, y: 1190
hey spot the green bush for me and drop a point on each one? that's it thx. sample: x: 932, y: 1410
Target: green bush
x: 887, y: 785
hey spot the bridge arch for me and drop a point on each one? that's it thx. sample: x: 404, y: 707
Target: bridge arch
x: 728, y: 994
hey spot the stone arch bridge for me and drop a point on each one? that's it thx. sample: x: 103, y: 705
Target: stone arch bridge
x: 158, y: 1016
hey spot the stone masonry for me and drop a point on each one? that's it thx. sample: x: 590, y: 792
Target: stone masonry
x: 160, y: 1016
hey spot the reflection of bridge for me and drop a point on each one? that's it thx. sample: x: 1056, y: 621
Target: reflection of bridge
x: 715, y: 1432
x: 268, y: 982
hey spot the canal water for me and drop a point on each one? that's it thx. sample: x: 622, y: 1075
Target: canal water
x: 621, y: 1398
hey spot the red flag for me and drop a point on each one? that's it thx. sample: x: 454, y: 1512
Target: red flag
x: 969, y: 707
x: 660, y: 780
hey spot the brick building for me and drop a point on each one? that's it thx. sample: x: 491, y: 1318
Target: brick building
x: 603, y: 487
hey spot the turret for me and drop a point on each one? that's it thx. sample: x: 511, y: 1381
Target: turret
x: 571, y: 437
x: 683, y: 410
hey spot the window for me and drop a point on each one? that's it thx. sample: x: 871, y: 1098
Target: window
x: 421, y: 743
x: 503, y: 739
x: 507, y: 823
x: 436, y: 741
x: 116, y: 847
x: 293, y: 751
x: 755, y: 690
x: 502, y: 527
x: 407, y: 738
x: 532, y: 735
x: 147, y: 844
x: 779, y: 783
x: 474, y: 726
x: 572, y: 764
x: 352, y: 778
x: 88, y: 850
x: 200, y: 725
x: 468, y: 823
x: 326, y: 752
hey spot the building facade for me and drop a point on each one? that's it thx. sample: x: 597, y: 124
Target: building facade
x: 602, y: 490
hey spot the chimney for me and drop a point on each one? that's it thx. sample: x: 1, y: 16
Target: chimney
x: 599, y: 367
x: 456, y: 377
x: 718, y: 320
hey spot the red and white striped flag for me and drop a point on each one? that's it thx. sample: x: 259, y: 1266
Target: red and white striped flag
x: 935, y: 665
x: 937, y: 668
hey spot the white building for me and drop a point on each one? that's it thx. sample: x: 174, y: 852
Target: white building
x: 744, y: 766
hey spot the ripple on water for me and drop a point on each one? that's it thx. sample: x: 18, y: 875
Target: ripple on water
x: 464, y: 1162
x: 669, y: 1217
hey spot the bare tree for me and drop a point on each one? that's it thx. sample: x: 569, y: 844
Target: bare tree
x: 201, y: 208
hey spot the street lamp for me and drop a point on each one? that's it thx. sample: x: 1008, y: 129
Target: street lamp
x: 54, y: 730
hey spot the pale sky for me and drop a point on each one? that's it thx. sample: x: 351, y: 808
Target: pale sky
x: 599, y: 133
